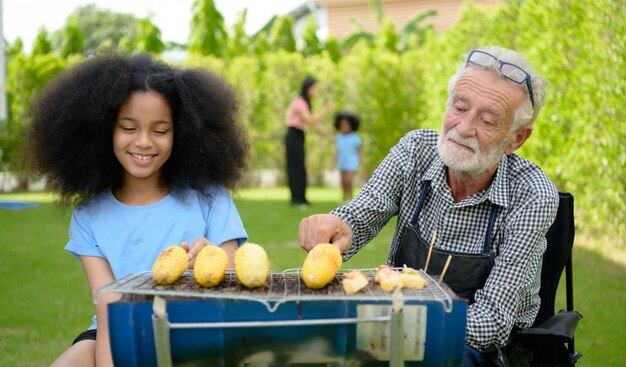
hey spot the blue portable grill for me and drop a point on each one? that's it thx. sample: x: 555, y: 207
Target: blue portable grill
x: 283, y: 323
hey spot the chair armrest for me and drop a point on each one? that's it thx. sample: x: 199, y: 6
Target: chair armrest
x: 562, y: 325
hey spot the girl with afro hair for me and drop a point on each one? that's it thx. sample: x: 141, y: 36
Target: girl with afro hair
x: 349, y: 153
x: 147, y: 152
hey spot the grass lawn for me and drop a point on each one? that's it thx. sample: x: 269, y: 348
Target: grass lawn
x: 45, y: 301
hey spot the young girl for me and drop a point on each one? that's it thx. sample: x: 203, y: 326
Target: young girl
x: 349, y: 153
x: 147, y: 151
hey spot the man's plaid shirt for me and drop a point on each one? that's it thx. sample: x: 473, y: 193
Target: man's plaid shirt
x: 528, y: 203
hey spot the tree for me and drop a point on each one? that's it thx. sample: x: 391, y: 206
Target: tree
x: 238, y: 42
x: 410, y: 37
x: 148, y: 37
x: 281, y: 35
x: 26, y: 75
x: 311, y: 44
x: 99, y: 26
x: 208, y: 34
x: 42, y: 45
x: 73, y: 41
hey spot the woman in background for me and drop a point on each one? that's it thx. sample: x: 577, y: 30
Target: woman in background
x: 299, y: 119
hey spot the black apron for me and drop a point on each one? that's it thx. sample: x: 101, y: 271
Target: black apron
x: 467, y: 272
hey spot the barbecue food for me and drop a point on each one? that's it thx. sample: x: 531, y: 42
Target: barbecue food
x: 389, y: 278
x: 251, y: 265
x: 321, y: 265
x: 210, y: 266
x: 170, y: 265
x: 354, y: 281
x: 412, y: 279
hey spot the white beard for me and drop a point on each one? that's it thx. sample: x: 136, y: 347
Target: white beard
x: 472, y: 162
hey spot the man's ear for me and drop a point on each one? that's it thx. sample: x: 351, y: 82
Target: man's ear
x: 517, y: 139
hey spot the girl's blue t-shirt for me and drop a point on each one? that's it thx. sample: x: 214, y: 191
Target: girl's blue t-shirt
x: 347, y: 151
x: 131, y: 237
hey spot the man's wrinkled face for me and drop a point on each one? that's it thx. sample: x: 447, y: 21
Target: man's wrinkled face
x: 475, y: 131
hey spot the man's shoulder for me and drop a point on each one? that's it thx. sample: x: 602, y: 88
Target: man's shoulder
x: 526, y: 176
x: 426, y: 136
x: 419, y: 139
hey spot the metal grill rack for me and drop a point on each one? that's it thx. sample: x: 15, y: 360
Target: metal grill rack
x: 281, y: 287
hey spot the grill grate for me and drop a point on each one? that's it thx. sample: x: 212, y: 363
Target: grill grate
x: 280, y: 287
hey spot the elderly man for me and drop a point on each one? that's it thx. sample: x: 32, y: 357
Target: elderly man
x: 490, y: 208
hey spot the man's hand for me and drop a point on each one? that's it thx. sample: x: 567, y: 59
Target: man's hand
x: 197, y: 245
x: 324, y: 228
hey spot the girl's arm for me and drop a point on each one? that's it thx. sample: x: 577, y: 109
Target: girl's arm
x: 229, y: 246
x: 98, y: 273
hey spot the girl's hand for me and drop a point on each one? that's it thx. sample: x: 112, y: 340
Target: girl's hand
x: 197, y: 245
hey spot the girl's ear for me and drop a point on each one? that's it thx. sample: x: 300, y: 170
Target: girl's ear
x: 517, y: 139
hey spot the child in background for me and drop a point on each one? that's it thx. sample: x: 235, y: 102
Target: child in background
x: 147, y: 151
x: 349, y: 153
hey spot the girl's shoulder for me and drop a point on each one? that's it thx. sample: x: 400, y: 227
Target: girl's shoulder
x: 205, y: 194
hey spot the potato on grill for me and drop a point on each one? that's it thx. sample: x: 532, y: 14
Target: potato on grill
x: 210, y: 266
x: 251, y: 265
x: 321, y: 265
x: 412, y: 279
x: 354, y: 281
x: 389, y: 278
x: 170, y: 265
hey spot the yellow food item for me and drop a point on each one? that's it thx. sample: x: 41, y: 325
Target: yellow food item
x: 412, y: 279
x: 382, y: 272
x: 392, y: 281
x: 210, y: 266
x: 170, y: 265
x: 251, y: 265
x: 321, y: 265
x: 354, y: 281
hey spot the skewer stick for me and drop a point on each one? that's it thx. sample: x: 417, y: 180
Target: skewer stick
x: 445, y: 268
x: 430, y: 250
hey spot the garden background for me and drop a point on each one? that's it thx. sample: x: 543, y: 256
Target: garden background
x: 396, y: 81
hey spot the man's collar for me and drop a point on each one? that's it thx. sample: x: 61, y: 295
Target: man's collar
x: 497, y: 192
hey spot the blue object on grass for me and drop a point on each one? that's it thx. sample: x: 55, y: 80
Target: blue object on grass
x: 17, y: 205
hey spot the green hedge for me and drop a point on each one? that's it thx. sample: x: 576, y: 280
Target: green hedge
x: 579, y: 138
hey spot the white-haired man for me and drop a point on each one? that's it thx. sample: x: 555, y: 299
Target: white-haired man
x: 489, y: 207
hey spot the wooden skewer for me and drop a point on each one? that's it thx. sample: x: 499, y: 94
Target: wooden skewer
x: 445, y: 268
x: 430, y: 250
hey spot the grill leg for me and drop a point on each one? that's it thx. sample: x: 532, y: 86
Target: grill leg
x: 396, y: 332
x: 161, y: 329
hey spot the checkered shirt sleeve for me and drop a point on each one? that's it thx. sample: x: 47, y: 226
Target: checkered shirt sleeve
x: 527, y: 202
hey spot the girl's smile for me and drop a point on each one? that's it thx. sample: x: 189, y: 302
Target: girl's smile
x: 143, y: 136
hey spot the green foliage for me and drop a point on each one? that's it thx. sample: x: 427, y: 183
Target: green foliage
x: 25, y: 77
x: 311, y: 44
x: 99, y: 27
x: 208, y: 34
x: 579, y: 46
x: 42, y: 45
x: 148, y: 37
x: 73, y: 41
x: 398, y: 81
x: 411, y: 37
x: 281, y: 35
x: 387, y: 37
x: 333, y: 49
x: 238, y: 42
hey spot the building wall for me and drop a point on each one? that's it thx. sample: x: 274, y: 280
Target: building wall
x: 340, y: 13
